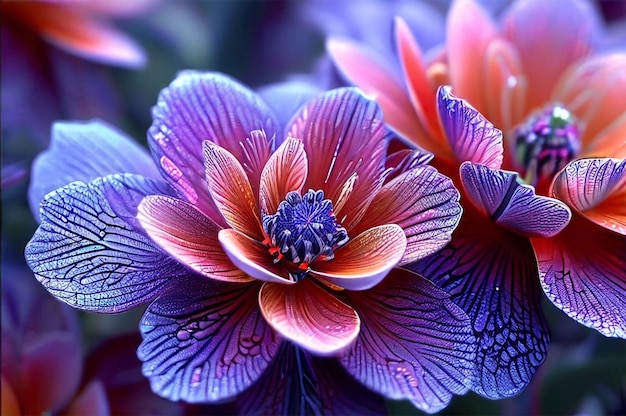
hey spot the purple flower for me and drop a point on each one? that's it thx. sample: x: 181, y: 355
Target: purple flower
x: 264, y: 250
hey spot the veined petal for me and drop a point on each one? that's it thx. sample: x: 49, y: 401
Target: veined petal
x: 472, y: 137
x: 414, y: 342
x: 84, y: 151
x: 512, y: 205
x: 207, y: 106
x: 366, y: 259
x: 424, y: 203
x: 91, y: 252
x: 596, y: 188
x: 404, y: 160
x: 309, y: 316
x: 343, y: 135
x: 285, y: 171
x: 188, y: 235
x: 583, y: 272
x: 231, y: 191
x: 205, y: 341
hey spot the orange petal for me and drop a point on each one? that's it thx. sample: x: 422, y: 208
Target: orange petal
x: 285, y: 171
x: 365, y: 260
x: 231, y: 190
x: 610, y: 142
x: 309, y: 316
x: 10, y: 405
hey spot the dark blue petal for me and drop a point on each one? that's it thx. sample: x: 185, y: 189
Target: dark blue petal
x: 205, y: 340
x: 90, y: 250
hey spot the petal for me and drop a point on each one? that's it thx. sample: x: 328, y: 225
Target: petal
x: 84, y: 151
x: 414, y: 343
x: 10, y: 404
x: 596, y: 188
x: 92, y: 400
x: 512, y: 205
x: 251, y: 257
x: 309, y: 316
x: 187, y: 235
x: 472, y: 137
x: 583, y: 272
x: 492, y: 275
x: 205, y: 341
x: 610, y: 142
x: 285, y: 171
x: 90, y: 250
x: 230, y: 190
x: 343, y: 135
x: 424, y: 203
x: 366, y: 259
x: 302, y: 383
x: 207, y: 106
x: 561, y: 35
x: 285, y: 97
x: 404, y: 160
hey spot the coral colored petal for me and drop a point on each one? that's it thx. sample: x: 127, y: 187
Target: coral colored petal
x: 249, y: 256
x: 472, y: 137
x: 309, y: 316
x: 366, y: 259
x: 205, y: 341
x: 583, y: 272
x: 424, y: 203
x: 230, y: 190
x: 414, y: 342
x: 610, y: 142
x: 596, y: 188
x: 188, y: 235
x: 285, y: 171
x: 9, y: 403
x: 344, y: 138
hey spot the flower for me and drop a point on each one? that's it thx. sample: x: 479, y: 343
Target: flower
x: 260, y: 251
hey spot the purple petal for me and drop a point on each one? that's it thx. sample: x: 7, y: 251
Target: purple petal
x: 84, y: 151
x: 512, y: 205
x: 90, y: 250
x: 414, y: 342
x: 404, y: 160
x: 472, y: 137
x: 205, y: 106
x: 304, y: 384
x: 492, y: 275
x: 205, y: 341
x: 287, y: 97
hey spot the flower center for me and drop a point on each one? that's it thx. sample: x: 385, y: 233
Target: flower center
x: 303, y: 229
x: 546, y: 143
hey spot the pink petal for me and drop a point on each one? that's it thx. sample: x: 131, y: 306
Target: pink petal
x: 366, y: 259
x: 309, y: 316
x: 251, y: 257
x: 188, y: 235
x: 285, y: 171
x: 596, y: 188
x: 230, y: 189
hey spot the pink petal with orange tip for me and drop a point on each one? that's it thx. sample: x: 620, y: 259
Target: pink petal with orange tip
x: 251, y: 257
x: 285, y: 171
x: 309, y: 316
x: 231, y: 191
x: 188, y: 235
x: 596, y: 188
x: 365, y: 260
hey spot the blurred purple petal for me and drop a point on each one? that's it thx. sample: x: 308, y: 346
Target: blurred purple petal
x: 205, y: 341
x: 90, y: 250
x: 285, y: 98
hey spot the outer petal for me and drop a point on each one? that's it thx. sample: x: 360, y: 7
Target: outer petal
x: 492, y: 275
x: 403, y: 160
x: 414, y: 343
x: 344, y: 136
x: 513, y: 205
x: 309, y: 316
x: 304, y: 384
x: 188, y: 235
x: 472, y: 137
x: 596, y: 189
x: 366, y: 259
x: 424, y: 203
x: 90, y: 250
x: 205, y: 341
x: 583, y: 272
x: 84, y: 151
x: 206, y: 106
